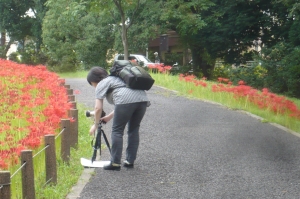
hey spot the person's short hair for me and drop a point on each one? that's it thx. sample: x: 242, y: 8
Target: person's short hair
x: 96, y: 74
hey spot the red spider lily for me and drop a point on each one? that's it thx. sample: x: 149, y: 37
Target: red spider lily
x: 76, y: 92
x: 34, y: 104
x: 72, y: 119
x: 160, y: 67
x: 193, y: 79
x: 3, y: 164
x: 241, y: 82
x: 263, y: 99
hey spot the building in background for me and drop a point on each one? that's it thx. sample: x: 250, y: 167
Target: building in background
x: 169, y: 49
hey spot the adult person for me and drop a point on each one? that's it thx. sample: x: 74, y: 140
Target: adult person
x: 129, y: 108
x: 156, y: 57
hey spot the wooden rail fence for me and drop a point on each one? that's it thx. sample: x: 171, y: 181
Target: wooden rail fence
x: 69, y: 138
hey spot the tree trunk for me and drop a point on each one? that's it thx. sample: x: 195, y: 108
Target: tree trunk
x: 3, y: 55
x: 3, y: 38
x: 200, y: 64
x: 125, y: 41
x: 207, y: 69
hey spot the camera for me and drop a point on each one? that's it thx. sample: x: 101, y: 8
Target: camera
x: 89, y: 113
x: 92, y: 113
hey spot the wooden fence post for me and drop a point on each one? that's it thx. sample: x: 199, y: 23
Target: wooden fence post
x: 65, y: 140
x: 74, y: 105
x: 73, y: 113
x: 70, y: 91
x: 28, y: 189
x: 62, y: 81
x: 71, y: 98
x: 50, y: 159
x: 5, y: 185
x: 67, y: 86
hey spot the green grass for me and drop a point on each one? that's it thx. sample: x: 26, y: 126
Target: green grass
x: 77, y: 74
x: 68, y: 175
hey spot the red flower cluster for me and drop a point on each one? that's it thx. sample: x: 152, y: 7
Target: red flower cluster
x: 193, y: 79
x: 263, y: 99
x: 32, y: 103
x: 160, y: 67
x: 225, y: 80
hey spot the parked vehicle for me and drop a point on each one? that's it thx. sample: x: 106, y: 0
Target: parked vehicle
x: 140, y: 59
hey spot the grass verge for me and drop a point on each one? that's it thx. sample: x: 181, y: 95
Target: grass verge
x: 188, y: 89
x: 68, y: 174
x: 77, y: 74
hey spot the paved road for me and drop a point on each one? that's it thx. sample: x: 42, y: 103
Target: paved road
x: 195, y: 149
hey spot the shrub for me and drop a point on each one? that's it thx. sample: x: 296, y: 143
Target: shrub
x: 283, y: 69
x: 221, y: 71
x: 253, y: 76
x: 14, y: 57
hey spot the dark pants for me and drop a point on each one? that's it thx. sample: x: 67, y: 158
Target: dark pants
x: 132, y: 114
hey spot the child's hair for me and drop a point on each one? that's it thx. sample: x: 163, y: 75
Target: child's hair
x: 96, y: 74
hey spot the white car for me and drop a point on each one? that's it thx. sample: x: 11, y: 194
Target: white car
x: 140, y: 59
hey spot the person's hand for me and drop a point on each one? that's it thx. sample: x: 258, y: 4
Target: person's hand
x: 92, y: 130
x: 106, y: 118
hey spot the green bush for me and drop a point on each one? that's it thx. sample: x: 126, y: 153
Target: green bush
x: 2, y: 52
x: 282, y: 63
x: 221, y: 71
x: 253, y: 76
x: 172, y: 58
x: 14, y: 57
x: 181, y: 69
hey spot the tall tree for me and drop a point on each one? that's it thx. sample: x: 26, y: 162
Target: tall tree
x: 224, y: 29
x: 125, y: 13
x: 39, y: 10
x: 281, y: 58
x: 73, y: 35
x: 90, y: 32
x: 16, y: 22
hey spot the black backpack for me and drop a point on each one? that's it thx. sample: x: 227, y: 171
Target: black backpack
x: 135, y: 77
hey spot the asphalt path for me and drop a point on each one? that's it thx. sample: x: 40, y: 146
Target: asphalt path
x: 195, y: 149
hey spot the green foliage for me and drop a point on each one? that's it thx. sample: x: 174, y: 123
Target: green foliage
x: 18, y: 25
x: 185, y: 69
x: 135, y: 22
x: 283, y: 65
x: 221, y: 71
x: 76, y: 38
x: 12, y: 15
x: 14, y: 57
x: 253, y: 76
x: 2, y: 52
x: 172, y: 58
x: 185, y: 16
x: 29, y: 55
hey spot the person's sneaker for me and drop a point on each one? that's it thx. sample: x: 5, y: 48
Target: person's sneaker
x: 112, y: 166
x: 127, y: 164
